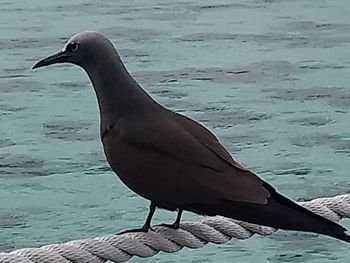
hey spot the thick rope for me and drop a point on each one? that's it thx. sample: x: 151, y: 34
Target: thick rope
x: 120, y: 248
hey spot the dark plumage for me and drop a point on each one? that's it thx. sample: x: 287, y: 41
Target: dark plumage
x: 172, y: 160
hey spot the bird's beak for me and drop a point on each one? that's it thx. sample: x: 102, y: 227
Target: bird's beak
x: 59, y: 57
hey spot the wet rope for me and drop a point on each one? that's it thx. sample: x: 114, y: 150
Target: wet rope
x: 120, y: 248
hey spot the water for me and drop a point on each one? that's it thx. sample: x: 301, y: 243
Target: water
x: 270, y: 78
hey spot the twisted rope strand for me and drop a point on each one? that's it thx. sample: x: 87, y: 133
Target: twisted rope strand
x: 120, y: 248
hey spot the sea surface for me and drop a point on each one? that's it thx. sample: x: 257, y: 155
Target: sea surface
x: 269, y: 78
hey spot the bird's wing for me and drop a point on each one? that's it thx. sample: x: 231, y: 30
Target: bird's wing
x: 205, y: 137
x: 204, y: 159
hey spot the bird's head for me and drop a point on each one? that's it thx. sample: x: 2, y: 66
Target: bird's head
x: 81, y: 49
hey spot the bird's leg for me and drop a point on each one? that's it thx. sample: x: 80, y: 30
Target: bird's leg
x: 176, y: 224
x: 147, y: 225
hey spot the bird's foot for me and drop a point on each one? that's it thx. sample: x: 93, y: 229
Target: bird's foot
x: 175, y: 225
x: 143, y: 229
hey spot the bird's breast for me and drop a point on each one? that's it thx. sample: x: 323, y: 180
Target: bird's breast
x: 149, y: 173
x: 136, y: 168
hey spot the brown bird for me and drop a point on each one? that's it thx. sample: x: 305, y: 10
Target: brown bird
x: 171, y: 160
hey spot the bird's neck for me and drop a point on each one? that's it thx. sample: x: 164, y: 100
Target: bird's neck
x: 119, y: 95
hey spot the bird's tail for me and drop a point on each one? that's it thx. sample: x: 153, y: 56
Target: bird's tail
x: 279, y: 212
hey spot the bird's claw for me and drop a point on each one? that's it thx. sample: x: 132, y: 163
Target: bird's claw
x: 143, y: 229
x: 173, y: 226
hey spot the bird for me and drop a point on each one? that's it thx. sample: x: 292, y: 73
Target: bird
x: 170, y: 159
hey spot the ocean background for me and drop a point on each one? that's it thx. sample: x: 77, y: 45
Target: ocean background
x: 269, y: 78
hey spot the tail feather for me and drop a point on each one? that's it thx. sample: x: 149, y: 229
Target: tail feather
x: 279, y: 212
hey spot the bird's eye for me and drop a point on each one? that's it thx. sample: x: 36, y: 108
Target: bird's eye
x: 72, y: 47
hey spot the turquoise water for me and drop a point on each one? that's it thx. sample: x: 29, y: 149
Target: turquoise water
x: 270, y: 78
